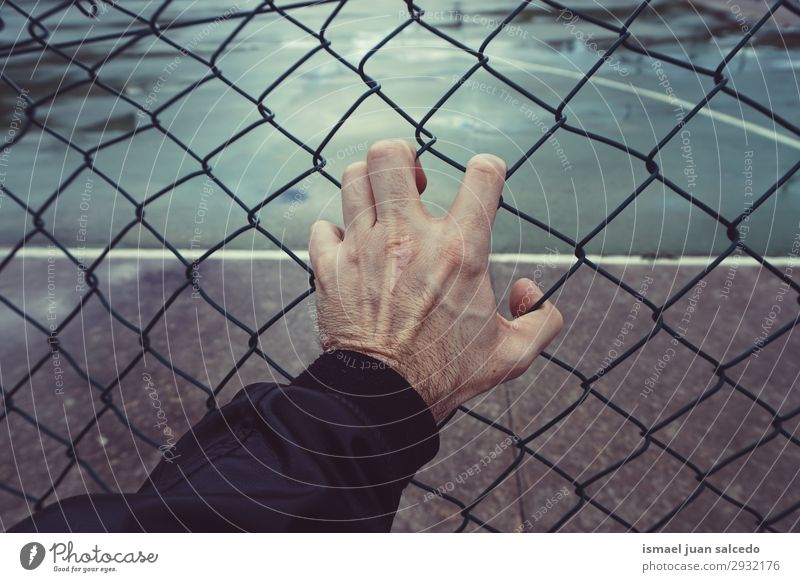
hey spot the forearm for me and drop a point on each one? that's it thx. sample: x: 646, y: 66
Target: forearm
x: 331, y: 452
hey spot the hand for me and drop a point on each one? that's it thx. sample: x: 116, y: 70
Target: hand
x: 413, y: 290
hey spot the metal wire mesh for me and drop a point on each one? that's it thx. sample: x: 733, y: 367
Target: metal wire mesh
x: 37, y: 39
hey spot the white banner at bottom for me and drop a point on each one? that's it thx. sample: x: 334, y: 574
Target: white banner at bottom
x: 373, y: 557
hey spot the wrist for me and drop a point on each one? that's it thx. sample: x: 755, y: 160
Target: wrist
x: 423, y: 380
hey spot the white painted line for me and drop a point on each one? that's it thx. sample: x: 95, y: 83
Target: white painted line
x: 706, y: 111
x: 88, y: 254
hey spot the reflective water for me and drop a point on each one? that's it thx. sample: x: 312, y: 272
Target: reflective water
x: 726, y: 157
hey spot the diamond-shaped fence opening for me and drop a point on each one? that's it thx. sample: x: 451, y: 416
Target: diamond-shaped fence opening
x: 151, y: 149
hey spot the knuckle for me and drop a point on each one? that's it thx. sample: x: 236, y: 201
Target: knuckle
x: 354, y: 172
x: 453, y: 252
x: 401, y: 244
x: 351, y: 255
x: 474, y: 265
x: 456, y: 252
x: 387, y: 148
x: 395, y: 206
x: 488, y: 165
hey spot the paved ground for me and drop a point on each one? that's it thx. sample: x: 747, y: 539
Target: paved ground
x: 591, y: 438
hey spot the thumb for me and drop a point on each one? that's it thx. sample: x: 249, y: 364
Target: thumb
x: 524, y: 293
x: 529, y: 333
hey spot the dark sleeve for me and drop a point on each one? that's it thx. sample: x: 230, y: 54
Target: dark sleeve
x: 331, y: 452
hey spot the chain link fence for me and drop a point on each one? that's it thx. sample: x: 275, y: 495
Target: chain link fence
x: 39, y: 39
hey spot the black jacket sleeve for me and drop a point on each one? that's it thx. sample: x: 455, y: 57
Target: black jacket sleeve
x: 331, y: 452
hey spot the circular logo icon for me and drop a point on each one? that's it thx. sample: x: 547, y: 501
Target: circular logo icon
x: 31, y: 555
